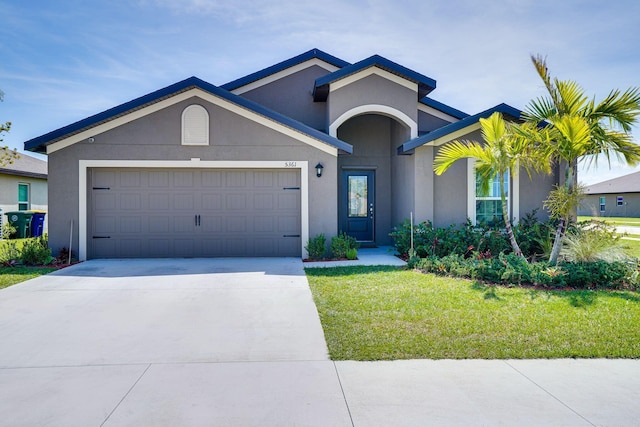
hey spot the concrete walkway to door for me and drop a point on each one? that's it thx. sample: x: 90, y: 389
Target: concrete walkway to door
x: 238, y: 342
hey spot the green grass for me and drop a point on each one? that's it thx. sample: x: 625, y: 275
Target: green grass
x: 633, y: 222
x: 12, y: 275
x: 632, y: 247
x: 386, y: 313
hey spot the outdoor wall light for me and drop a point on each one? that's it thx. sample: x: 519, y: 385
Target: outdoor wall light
x: 91, y: 139
x: 319, y: 168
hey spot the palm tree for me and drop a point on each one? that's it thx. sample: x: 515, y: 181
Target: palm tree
x: 503, y: 151
x: 577, y: 128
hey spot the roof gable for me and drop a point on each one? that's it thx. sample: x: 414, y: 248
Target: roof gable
x: 450, y: 132
x: 40, y: 144
x: 425, y: 84
x: 313, y: 56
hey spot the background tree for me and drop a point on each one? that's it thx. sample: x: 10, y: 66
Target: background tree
x: 504, y: 150
x: 7, y: 156
x: 578, y: 127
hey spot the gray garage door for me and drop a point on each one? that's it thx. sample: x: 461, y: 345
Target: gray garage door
x: 155, y: 213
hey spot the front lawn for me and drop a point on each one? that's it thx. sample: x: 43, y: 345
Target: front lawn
x: 12, y: 275
x: 386, y: 313
x: 613, y: 220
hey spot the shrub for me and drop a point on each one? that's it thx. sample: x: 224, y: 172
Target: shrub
x: 317, y: 247
x: 597, y: 274
x: 593, y: 241
x: 9, y: 252
x: 341, y: 243
x: 352, y: 253
x: 36, y: 252
x: 8, y: 230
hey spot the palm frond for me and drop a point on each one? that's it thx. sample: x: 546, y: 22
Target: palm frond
x: 454, y: 151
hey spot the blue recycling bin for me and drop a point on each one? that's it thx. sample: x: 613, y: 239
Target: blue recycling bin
x: 37, y: 223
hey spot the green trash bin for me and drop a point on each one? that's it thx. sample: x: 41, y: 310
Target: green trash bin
x: 21, y: 220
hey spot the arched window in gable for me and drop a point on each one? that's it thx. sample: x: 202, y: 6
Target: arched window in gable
x: 195, y: 125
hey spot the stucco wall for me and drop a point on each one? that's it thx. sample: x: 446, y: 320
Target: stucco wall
x: 292, y: 96
x: 402, y: 177
x: 157, y: 137
x: 534, y: 191
x: 630, y: 208
x: 450, y: 195
x: 428, y: 123
x: 369, y: 90
x: 9, y: 194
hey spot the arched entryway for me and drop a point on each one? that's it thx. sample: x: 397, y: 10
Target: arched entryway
x: 374, y: 183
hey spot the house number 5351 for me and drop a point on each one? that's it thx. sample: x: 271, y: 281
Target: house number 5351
x: 290, y: 164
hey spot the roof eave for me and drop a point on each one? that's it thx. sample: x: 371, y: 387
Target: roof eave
x: 411, y: 145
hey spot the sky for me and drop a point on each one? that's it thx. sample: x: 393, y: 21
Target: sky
x: 64, y: 60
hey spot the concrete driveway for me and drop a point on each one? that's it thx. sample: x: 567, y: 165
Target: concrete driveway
x: 229, y: 342
x: 166, y: 342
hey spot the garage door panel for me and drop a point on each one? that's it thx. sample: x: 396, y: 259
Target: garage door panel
x: 194, y: 213
x: 104, y: 201
x: 130, y: 179
x: 105, y: 224
x: 159, y: 224
x: 131, y: 225
x: 159, y: 202
x: 131, y: 202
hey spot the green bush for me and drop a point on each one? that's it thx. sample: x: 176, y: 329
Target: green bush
x: 511, y: 269
x: 467, y: 239
x: 9, y: 252
x: 317, y: 247
x: 341, y: 243
x: 36, y: 252
x: 8, y: 230
x: 352, y: 253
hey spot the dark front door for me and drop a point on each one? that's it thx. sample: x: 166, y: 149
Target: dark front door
x: 357, y: 207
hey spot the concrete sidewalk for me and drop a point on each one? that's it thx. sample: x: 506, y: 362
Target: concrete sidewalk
x: 229, y: 342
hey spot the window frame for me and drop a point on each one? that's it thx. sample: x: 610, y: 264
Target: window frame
x: 27, y: 203
x: 496, y: 183
x: 603, y: 203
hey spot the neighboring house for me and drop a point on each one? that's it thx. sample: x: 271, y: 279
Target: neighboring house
x: 23, y: 185
x: 615, y: 197
x: 197, y: 170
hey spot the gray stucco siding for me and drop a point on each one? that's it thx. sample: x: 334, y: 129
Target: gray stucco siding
x: 372, y: 89
x: 450, y: 196
x: 630, y: 207
x: 157, y: 137
x: 292, y: 96
x: 428, y: 123
x: 534, y: 191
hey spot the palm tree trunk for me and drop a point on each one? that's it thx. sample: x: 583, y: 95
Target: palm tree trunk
x: 507, y: 222
x: 570, y: 178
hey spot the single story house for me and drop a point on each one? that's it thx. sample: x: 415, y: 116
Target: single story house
x: 23, y: 185
x: 615, y: 197
x: 256, y: 166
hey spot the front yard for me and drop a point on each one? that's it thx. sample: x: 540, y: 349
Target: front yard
x: 385, y: 313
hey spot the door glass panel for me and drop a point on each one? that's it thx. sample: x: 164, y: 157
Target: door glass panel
x: 358, y: 196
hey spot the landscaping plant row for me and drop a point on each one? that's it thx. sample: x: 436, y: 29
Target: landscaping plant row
x: 593, y: 256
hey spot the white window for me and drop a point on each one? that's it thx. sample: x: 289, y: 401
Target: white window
x: 602, y: 204
x: 23, y: 197
x: 195, y: 125
x: 620, y: 200
x: 489, y: 205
